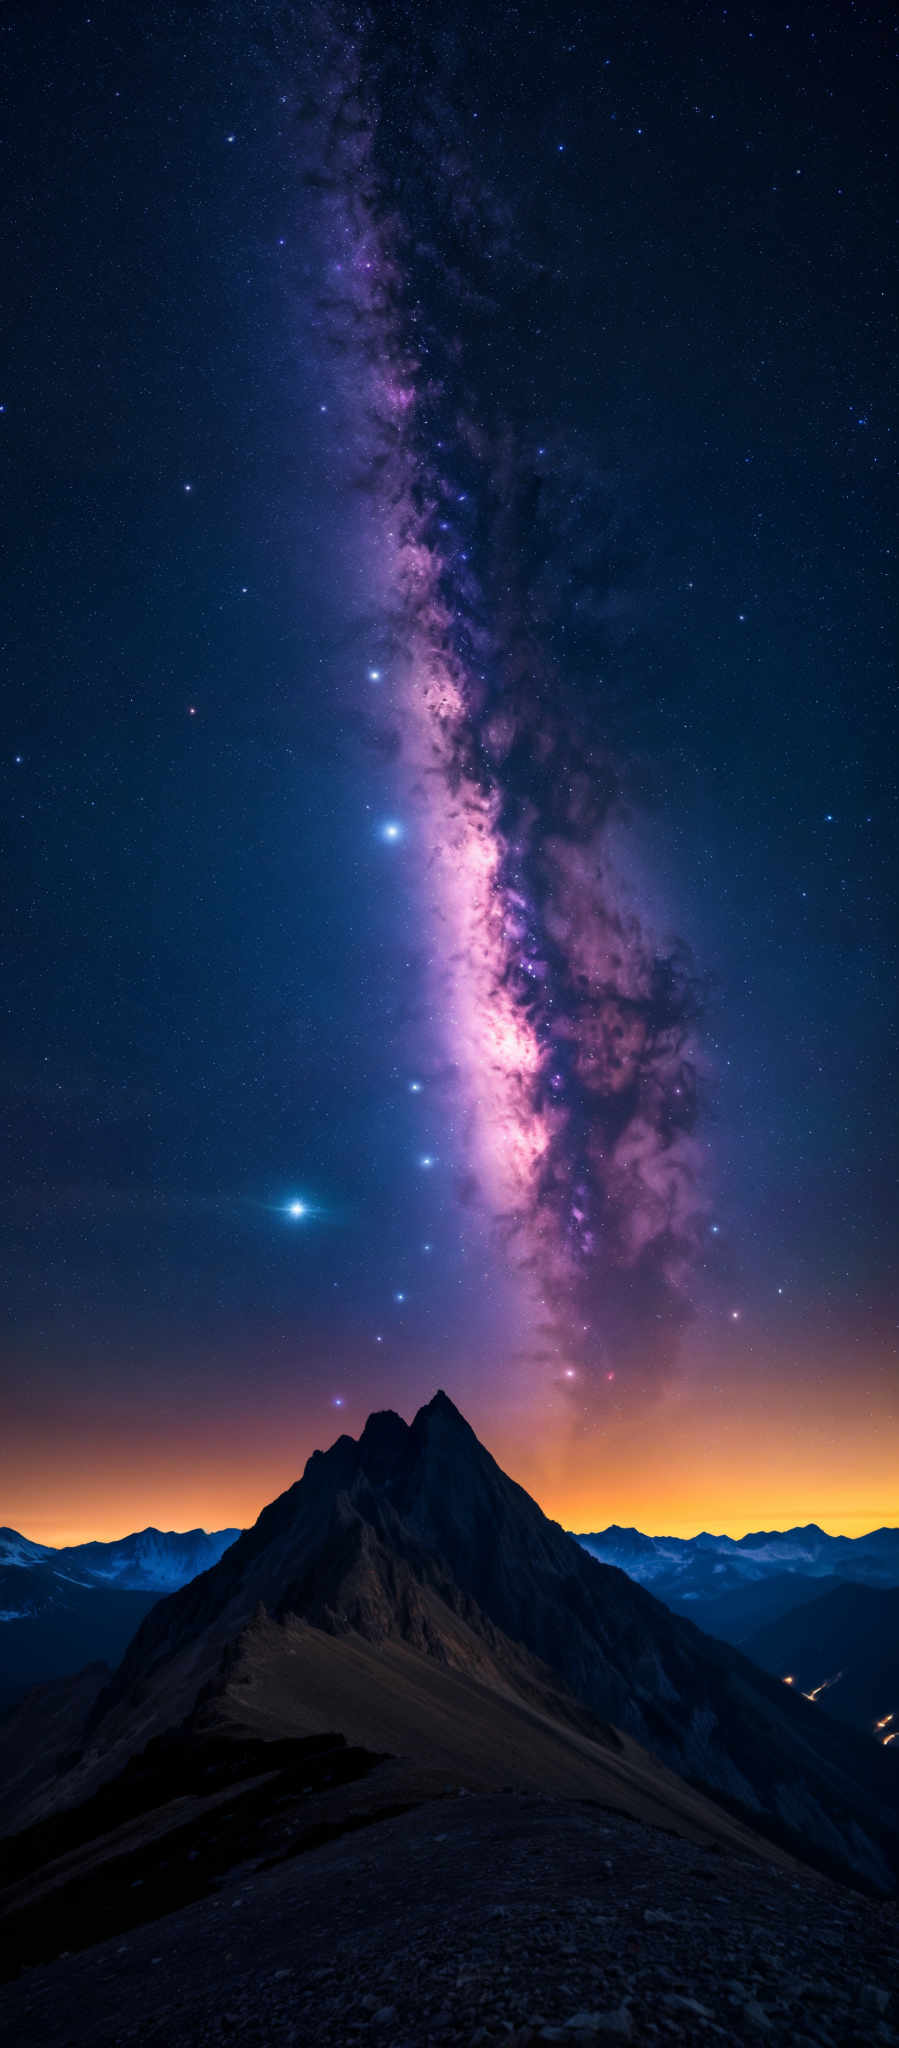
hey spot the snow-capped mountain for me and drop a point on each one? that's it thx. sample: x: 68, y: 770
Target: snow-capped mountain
x: 63, y: 1609
x: 732, y: 1585
x: 152, y: 1560
x: 19, y: 1550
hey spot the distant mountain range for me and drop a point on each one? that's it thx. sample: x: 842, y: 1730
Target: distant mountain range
x: 62, y: 1609
x: 152, y: 1560
x: 408, y: 1594
x: 800, y: 1603
x: 732, y: 1585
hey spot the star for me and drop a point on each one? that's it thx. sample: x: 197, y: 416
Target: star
x: 374, y: 675
x: 427, y: 1159
x: 414, y: 1086
x: 391, y: 831
x: 399, y: 1297
x: 296, y: 1210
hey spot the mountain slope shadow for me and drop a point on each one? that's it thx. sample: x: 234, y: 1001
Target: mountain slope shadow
x: 408, y: 1592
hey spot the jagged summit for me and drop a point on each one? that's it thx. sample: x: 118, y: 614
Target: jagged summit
x: 411, y: 1541
x: 441, y: 1405
x: 386, y: 1447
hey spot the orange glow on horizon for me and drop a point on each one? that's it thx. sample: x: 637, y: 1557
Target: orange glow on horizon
x: 768, y: 1456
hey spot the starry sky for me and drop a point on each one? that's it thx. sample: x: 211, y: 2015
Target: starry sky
x: 449, y: 754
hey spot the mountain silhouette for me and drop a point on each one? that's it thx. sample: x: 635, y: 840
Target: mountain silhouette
x: 407, y: 1587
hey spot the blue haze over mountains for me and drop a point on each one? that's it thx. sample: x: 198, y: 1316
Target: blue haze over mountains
x: 732, y: 1586
x: 782, y: 1596
x: 63, y: 1609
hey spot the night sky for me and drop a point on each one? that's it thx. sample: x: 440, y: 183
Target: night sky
x: 449, y: 754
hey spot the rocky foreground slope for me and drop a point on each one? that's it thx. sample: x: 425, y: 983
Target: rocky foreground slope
x: 490, y: 1922
x: 408, y: 1768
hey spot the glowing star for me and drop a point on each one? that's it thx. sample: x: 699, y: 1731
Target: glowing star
x: 391, y: 831
x: 296, y: 1210
x: 427, y: 1159
x: 414, y: 1086
x: 337, y: 1401
x: 569, y: 1372
x: 735, y: 1315
x: 374, y: 675
x: 399, y: 1297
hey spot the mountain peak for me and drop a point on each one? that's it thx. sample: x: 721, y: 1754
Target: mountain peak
x: 414, y: 1534
x: 442, y: 1410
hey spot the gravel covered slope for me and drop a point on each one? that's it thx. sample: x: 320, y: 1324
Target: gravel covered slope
x: 477, y: 1920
